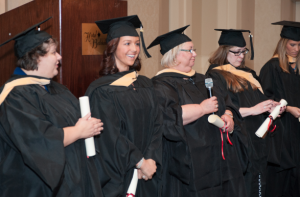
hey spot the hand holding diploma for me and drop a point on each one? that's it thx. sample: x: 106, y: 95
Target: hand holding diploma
x: 266, y: 124
x: 217, y: 121
x: 85, y: 109
x: 148, y: 168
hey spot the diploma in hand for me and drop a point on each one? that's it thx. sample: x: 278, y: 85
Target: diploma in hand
x: 89, y: 142
x: 265, y: 126
x: 133, y: 184
x: 216, y: 120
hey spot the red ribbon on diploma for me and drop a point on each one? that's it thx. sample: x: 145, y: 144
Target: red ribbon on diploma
x: 130, y: 195
x: 270, y: 124
x: 223, y: 130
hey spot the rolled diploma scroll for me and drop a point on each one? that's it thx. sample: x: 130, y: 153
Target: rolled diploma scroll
x: 216, y: 120
x: 89, y: 142
x: 264, y: 127
x: 133, y: 184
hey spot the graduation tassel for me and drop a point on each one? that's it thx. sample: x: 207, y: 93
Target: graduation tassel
x: 143, y: 43
x: 251, y: 43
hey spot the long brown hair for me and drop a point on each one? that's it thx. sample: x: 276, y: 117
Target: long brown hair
x: 234, y: 83
x: 220, y: 56
x: 108, y: 64
x: 283, y: 59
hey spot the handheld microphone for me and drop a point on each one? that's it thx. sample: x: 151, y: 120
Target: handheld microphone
x: 209, y: 85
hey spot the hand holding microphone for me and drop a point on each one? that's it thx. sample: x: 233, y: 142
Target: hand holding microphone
x: 209, y: 105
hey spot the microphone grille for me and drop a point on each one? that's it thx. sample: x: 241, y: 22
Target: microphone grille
x: 209, y: 83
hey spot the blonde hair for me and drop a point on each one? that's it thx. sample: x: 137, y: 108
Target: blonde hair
x: 283, y: 59
x: 169, y: 58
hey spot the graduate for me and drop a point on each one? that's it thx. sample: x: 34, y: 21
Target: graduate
x: 245, y: 91
x: 199, y: 159
x: 42, y: 150
x: 280, y: 79
x: 126, y: 103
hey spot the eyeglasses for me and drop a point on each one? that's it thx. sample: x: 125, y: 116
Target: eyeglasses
x: 238, y: 53
x: 191, y: 50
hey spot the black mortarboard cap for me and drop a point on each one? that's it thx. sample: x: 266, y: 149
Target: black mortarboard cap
x: 123, y: 26
x: 234, y: 37
x: 170, y: 40
x: 290, y: 30
x: 28, y: 39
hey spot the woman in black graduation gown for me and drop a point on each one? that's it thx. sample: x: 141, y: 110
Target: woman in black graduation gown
x: 42, y: 152
x: 244, y: 89
x: 198, y: 159
x: 126, y: 104
x: 280, y: 79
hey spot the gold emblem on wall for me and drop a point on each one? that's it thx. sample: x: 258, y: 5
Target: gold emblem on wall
x: 93, y: 40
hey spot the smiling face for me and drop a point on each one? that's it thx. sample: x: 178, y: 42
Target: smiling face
x: 185, y: 60
x: 293, y: 48
x: 236, y: 61
x: 48, y: 64
x: 127, y: 51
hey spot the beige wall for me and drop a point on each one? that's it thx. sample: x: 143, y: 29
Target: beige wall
x: 149, y: 13
x: 6, y: 5
x: 12, y: 4
x: 297, y: 15
x: 2, y: 6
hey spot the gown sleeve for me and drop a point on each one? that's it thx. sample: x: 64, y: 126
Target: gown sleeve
x: 173, y: 130
x: 116, y: 149
x: 267, y: 77
x: 154, y: 149
x: 39, y: 142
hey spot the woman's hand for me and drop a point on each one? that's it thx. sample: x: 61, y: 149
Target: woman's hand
x: 84, y: 128
x: 274, y: 104
x: 141, y: 175
x: 262, y: 107
x: 148, y: 168
x: 229, y: 123
x: 209, y: 105
x: 295, y: 111
x: 88, y: 126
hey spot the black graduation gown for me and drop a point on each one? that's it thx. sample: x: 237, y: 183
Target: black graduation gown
x: 260, y: 151
x: 193, y: 164
x: 33, y: 159
x: 131, y: 131
x: 280, y: 85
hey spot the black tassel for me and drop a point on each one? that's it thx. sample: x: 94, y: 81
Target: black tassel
x: 251, y: 43
x: 143, y: 43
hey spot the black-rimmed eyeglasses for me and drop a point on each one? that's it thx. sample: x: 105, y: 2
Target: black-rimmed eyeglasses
x: 238, y: 53
x: 188, y: 50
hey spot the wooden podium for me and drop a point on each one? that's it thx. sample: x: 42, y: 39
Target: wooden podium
x: 76, y: 71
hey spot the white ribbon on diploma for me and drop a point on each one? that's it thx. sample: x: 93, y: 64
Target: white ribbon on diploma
x: 133, y: 184
x: 89, y: 142
x: 264, y: 127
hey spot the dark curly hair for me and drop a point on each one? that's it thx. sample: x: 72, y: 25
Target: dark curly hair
x: 30, y: 60
x: 108, y: 64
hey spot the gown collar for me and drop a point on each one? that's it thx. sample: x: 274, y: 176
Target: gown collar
x: 291, y: 59
x: 246, y: 75
x: 20, y: 82
x: 170, y: 70
x: 126, y: 80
